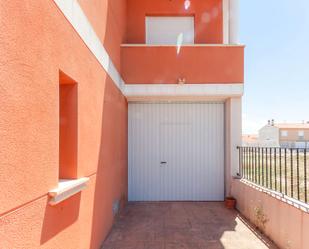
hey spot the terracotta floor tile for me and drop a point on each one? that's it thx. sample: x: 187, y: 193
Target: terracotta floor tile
x: 180, y: 245
x: 154, y: 245
x: 182, y: 225
x: 124, y: 245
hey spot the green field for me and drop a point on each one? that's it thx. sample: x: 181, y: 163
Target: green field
x: 288, y: 174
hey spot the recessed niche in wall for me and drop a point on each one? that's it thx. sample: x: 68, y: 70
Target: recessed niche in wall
x: 68, y: 98
x: 69, y: 184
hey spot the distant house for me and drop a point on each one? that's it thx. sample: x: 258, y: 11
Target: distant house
x: 250, y: 140
x: 286, y: 135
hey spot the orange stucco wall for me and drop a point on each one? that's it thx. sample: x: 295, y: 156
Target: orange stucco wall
x: 293, y: 136
x: 108, y: 18
x: 208, y: 18
x: 196, y: 64
x: 36, y: 43
x: 68, y: 129
x: 285, y: 224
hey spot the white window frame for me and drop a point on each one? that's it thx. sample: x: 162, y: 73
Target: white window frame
x: 157, y: 26
x: 284, y: 133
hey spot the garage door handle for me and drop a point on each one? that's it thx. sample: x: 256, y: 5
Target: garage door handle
x: 163, y: 162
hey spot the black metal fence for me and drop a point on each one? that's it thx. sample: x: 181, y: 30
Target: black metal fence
x: 279, y: 169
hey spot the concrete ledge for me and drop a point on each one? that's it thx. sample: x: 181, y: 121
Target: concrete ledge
x: 135, y: 92
x: 66, y: 189
x: 280, y: 196
x: 183, y: 45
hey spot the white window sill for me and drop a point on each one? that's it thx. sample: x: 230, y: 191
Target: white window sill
x: 183, y: 45
x: 66, y: 189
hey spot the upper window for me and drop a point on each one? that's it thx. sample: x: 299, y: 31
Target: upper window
x: 284, y: 133
x: 301, y: 133
x: 170, y: 30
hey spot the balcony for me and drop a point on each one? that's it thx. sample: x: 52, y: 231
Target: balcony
x: 196, y: 64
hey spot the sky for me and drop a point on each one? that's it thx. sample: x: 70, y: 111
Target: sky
x: 276, y: 35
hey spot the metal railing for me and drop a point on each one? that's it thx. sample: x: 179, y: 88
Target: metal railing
x: 279, y: 169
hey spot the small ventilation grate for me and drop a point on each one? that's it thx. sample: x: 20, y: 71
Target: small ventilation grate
x: 116, y: 205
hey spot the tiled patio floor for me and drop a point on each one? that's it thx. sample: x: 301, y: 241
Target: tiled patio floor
x: 182, y: 225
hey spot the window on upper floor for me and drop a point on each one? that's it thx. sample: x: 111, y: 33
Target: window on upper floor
x: 301, y: 134
x: 67, y: 127
x: 173, y: 30
x: 284, y: 133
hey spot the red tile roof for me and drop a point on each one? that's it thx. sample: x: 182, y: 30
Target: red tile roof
x: 292, y: 126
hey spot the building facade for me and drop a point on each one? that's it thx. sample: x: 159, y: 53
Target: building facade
x: 285, y: 135
x: 250, y: 140
x: 108, y: 101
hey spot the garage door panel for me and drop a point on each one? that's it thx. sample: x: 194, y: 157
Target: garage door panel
x: 189, y: 138
x: 176, y: 170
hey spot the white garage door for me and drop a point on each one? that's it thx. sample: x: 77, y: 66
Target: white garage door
x: 176, y: 152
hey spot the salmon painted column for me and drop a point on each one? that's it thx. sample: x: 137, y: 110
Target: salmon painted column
x: 233, y: 133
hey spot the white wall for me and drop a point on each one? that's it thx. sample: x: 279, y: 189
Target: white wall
x: 269, y: 136
x: 226, y: 21
x: 233, y: 138
x: 233, y: 21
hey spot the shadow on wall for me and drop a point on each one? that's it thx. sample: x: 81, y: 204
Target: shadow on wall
x: 111, y: 172
x: 58, y: 218
x: 111, y: 177
x: 110, y: 193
